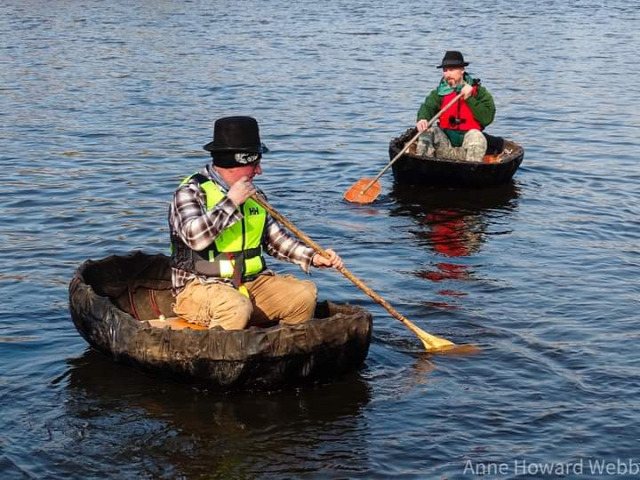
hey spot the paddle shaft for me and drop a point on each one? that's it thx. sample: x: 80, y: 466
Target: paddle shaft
x: 359, y: 283
x: 415, y: 137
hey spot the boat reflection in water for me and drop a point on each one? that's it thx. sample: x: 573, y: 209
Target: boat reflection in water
x: 173, y: 430
x: 454, y: 224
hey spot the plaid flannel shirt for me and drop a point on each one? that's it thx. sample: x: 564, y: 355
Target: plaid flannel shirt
x: 198, y: 228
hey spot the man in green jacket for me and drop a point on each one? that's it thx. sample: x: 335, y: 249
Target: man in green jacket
x: 459, y: 134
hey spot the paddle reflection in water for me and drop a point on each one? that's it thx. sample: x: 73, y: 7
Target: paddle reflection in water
x: 453, y: 223
x: 171, y: 430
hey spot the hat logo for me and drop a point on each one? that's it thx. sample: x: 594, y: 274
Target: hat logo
x: 247, y: 158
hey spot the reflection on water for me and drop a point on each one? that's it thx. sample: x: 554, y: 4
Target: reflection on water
x: 131, y: 414
x: 417, y: 201
x: 453, y: 223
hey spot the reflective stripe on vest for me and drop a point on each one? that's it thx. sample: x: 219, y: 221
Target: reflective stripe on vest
x: 241, y: 241
x: 459, y: 116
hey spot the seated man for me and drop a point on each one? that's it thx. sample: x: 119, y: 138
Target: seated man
x: 459, y: 135
x: 219, y: 235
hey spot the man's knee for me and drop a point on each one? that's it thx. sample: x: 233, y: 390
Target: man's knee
x: 442, y: 144
x: 304, y: 298
x: 440, y: 138
x: 309, y: 295
x: 475, y: 145
x: 214, y: 305
x: 233, y: 314
x: 425, y: 147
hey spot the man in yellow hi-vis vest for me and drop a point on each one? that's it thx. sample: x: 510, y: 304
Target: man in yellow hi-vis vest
x: 219, y: 236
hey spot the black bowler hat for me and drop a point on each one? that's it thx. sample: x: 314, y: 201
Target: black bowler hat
x: 236, y: 134
x: 453, y: 59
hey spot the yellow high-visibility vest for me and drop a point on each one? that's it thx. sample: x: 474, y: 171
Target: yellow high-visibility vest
x: 240, y: 241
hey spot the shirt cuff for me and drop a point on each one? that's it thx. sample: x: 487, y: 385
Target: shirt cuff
x: 307, y: 259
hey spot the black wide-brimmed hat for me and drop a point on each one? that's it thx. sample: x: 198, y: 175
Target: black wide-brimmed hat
x: 236, y: 134
x: 453, y: 59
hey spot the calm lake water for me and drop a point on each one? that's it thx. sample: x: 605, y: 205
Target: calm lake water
x: 104, y: 108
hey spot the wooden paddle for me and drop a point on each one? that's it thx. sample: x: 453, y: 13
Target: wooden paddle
x: 431, y: 343
x: 366, y: 190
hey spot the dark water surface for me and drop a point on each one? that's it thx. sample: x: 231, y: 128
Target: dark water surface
x: 104, y: 107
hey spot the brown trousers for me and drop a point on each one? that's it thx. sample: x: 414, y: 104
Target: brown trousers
x: 272, y: 298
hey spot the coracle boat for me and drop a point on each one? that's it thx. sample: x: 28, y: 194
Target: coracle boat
x: 121, y: 305
x: 495, y: 169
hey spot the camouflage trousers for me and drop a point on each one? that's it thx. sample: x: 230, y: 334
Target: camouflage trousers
x: 435, y: 143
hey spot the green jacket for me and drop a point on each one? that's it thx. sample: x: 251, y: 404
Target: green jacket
x: 481, y: 104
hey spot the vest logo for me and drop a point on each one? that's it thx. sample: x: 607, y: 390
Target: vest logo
x: 254, y: 211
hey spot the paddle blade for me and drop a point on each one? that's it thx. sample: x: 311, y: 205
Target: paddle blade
x: 433, y: 344
x: 359, y: 193
x: 453, y: 349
